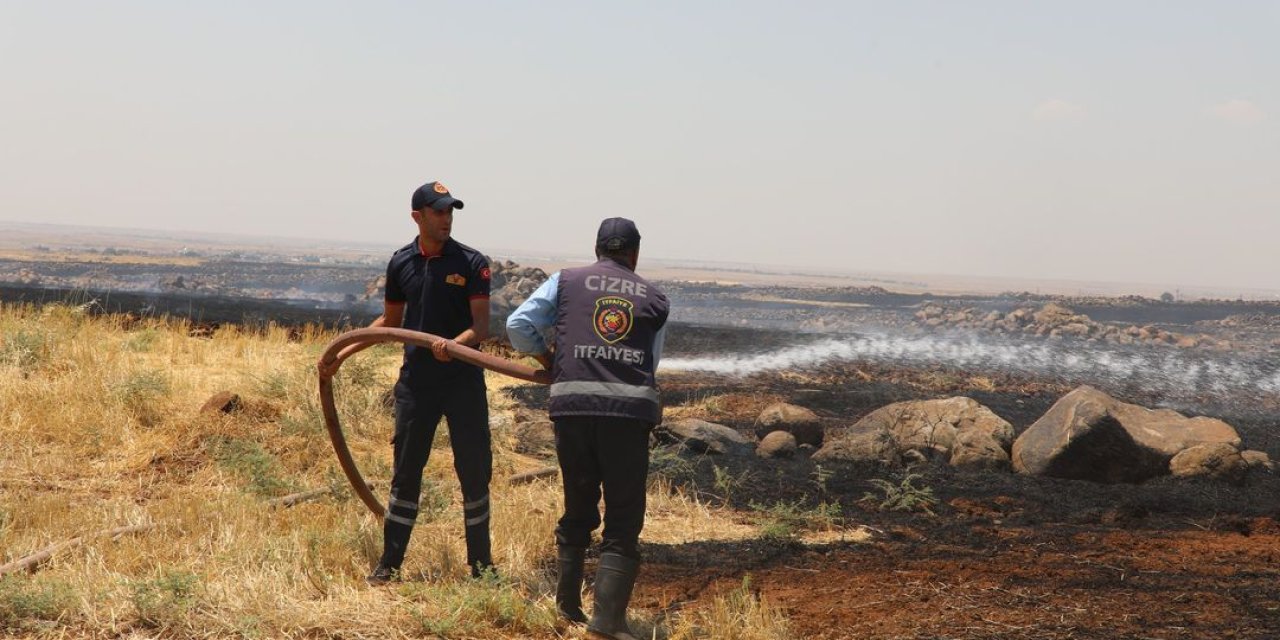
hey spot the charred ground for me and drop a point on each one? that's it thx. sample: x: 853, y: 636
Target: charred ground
x: 997, y: 556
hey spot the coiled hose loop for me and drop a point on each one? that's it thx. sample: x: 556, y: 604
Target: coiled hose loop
x: 375, y: 335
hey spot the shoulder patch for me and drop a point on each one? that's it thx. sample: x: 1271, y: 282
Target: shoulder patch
x: 485, y: 273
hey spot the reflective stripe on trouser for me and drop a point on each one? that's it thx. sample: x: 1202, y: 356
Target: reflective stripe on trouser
x: 464, y: 404
x: 609, y: 457
x: 476, y: 519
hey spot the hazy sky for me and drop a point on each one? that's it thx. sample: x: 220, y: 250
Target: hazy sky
x: 1130, y: 141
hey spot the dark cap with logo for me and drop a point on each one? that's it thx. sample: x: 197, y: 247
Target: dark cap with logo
x: 436, y: 196
x: 617, y: 234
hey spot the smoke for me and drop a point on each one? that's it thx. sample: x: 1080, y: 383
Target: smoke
x: 1159, y: 370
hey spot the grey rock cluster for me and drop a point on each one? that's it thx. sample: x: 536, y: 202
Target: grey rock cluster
x: 1086, y: 435
x: 1056, y: 321
x: 509, y: 286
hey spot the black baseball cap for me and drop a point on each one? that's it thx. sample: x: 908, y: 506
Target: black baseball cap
x: 434, y: 195
x: 616, y: 234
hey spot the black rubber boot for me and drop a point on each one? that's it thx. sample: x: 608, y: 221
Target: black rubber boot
x: 615, y: 578
x: 479, y: 556
x: 569, y: 585
x: 383, y: 574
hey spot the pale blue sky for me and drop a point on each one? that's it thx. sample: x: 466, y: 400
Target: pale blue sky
x: 1129, y: 141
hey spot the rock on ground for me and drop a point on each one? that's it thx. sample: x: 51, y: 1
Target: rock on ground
x: 956, y: 430
x: 1088, y: 435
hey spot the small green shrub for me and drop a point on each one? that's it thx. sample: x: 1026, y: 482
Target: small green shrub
x: 165, y: 600
x: 359, y: 373
x: 253, y: 463
x: 904, y: 496
x: 666, y: 463
x: 786, y: 519
x: 274, y: 384
x: 469, y: 605
x: 25, y: 350
x: 726, y: 483
x: 306, y: 420
x: 141, y: 341
x: 142, y: 394
x: 434, y: 501
x: 24, y: 601
x: 142, y: 388
x: 821, y: 475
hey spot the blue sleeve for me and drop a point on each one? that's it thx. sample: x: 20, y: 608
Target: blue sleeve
x: 526, y: 325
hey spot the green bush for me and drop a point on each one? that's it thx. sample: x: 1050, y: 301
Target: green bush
x: 253, y: 463
x: 904, y: 496
x: 25, y: 350
x: 472, y: 605
x: 142, y: 388
x: 24, y: 601
x: 141, y: 341
x: 785, y: 519
x: 166, y: 600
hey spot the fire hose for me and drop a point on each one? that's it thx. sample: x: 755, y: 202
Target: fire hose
x: 376, y: 335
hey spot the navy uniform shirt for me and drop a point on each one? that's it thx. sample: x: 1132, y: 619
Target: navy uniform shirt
x: 437, y: 292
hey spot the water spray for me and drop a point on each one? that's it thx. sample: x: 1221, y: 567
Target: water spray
x: 1162, y: 370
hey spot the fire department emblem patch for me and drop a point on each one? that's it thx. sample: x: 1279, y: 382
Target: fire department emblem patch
x: 613, y: 318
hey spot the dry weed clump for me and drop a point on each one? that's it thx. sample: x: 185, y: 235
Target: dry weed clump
x: 739, y: 614
x: 100, y: 428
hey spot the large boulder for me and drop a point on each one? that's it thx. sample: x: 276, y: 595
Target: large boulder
x: 1216, y: 461
x: 700, y: 436
x: 956, y: 430
x: 536, y: 438
x: 1259, y: 461
x: 798, y: 421
x: 222, y: 402
x: 1088, y: 435
x: 778, y: 444
x: 974, y: 449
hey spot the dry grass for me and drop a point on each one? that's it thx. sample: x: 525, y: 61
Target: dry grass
x: 100, y: 429
x: 739, y: 614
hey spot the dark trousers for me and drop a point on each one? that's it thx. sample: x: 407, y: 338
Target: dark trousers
x: 462, y: 402
x: 603, y: 454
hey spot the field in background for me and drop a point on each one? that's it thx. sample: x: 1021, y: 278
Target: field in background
x: 101, y: 428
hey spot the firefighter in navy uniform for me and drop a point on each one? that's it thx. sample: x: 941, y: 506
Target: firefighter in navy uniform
x: 608, y: 324
x: 440, y: 286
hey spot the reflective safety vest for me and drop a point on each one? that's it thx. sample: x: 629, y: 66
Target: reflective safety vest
x: 606, y: 321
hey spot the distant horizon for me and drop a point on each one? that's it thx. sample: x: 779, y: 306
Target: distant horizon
x: 912, y: 281
x: 1085, y: 141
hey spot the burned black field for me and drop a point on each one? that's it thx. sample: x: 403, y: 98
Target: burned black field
x: 994, y: 554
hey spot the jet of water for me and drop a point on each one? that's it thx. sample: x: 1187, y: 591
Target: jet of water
x: 1162, y: 371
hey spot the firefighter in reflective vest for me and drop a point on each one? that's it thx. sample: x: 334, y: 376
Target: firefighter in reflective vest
x: 608, y: 332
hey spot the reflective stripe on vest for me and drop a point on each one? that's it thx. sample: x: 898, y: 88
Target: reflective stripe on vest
x: 607, y: 389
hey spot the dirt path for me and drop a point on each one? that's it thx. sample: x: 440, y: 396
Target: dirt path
x: 987, y: 581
